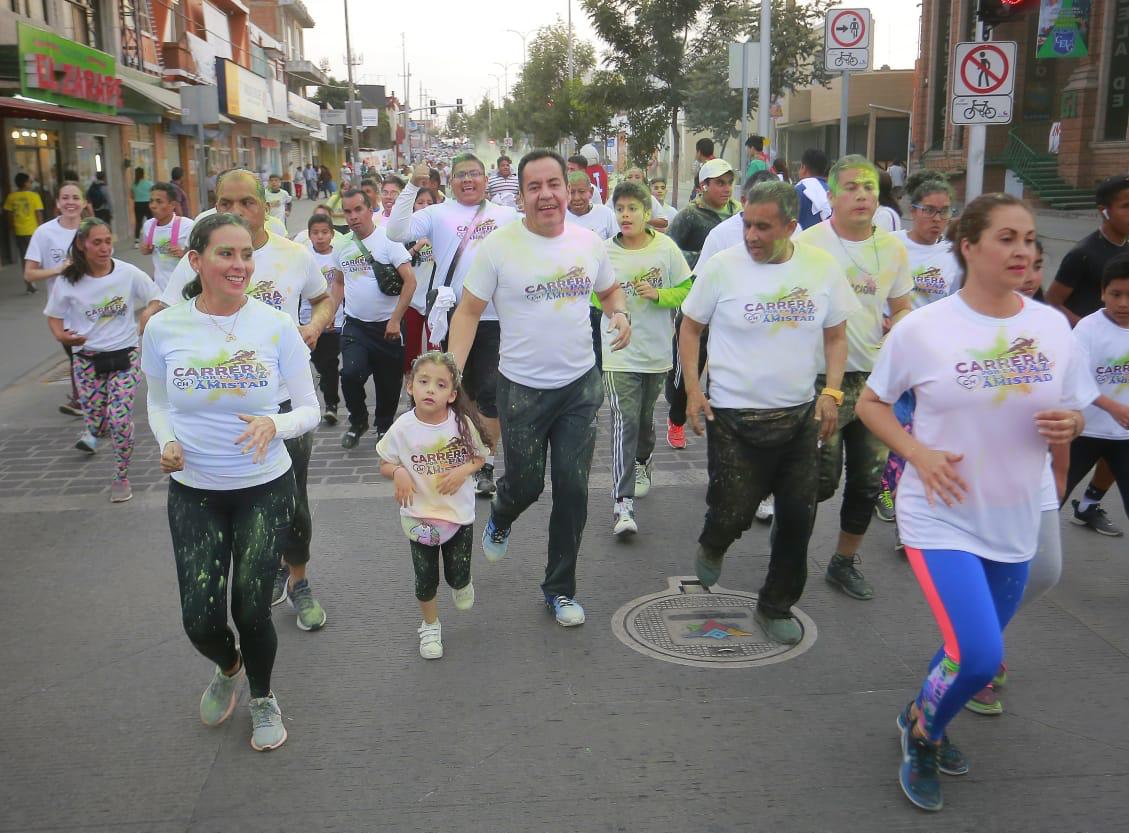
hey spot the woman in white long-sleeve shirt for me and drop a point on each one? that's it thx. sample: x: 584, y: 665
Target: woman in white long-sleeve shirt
x: 214, y: 367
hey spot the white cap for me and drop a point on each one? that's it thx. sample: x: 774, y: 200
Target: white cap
x: 713, y: 169
x: 590, y: 153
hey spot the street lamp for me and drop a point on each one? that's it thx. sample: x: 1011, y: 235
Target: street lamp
x: 498, y: 79
x: 506, y: 73
x: 523, y: 36
x: 350, y: 113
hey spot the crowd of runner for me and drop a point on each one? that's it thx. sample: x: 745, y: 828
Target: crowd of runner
x: 921, y: 369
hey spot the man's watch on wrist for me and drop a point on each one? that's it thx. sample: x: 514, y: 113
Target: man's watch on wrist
x: 835, y: 394
x: 622, y: 312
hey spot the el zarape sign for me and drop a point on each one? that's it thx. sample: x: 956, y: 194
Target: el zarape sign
x: 63, y: 72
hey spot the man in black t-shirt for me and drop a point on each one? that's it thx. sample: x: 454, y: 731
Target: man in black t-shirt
x: 1077, y: 292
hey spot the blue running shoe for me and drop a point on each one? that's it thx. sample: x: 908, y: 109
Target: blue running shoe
x: 568, y: 611
x: 495, y: 541
x: 919, y: 775
x: 951, y: 760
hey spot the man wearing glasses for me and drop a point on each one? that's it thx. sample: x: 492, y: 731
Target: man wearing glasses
x: 456, y: 228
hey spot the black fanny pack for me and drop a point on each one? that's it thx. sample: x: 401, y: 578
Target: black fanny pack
x: 112, y: 361
x: 388, y: 280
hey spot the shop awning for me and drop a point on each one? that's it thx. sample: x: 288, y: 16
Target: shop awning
x: 16, y: 107
x: 165, y: 100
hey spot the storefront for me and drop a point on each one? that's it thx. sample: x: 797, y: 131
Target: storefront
x: 245, y: 97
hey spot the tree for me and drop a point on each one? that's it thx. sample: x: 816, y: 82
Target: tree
x: 332, y: 95
x: 544, y: 101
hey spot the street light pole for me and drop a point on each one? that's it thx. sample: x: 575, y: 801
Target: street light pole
x: 523, y: 36
x: 570, y: 40
x: 352, y: 107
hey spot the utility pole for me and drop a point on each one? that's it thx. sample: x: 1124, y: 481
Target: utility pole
x: 764, y: 91
x: 977, y: 139
x: 351, y: 112
x: 569, y: 41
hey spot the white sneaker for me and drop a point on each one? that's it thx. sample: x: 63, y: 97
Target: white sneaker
x: 463, y: 596
x: 766, y: 509
x: 87, y: 442
x: 642, y: 478
x: 430, y: 640
x: 624, y: 513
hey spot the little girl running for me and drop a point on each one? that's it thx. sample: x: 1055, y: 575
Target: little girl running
x: 430, y: 453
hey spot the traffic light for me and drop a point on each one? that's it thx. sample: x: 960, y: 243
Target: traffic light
x: 458, y: 105
x: 431, y: 104
x: 997, y: 12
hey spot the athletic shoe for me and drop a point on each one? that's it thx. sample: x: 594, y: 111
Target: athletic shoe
x: 1095, y: 518
x: 785, y: 631
x: 430, y: 640
x: 675, y: 435
x: 642, y: 478
x: 330, y: 415
x: 281, y: 585
x: 919, y: 774
x: 311, y: 616
x: 495, y: 541
x: 267, y: 731
x: 986, y: 701
x: 70, y: 408
x: 87, y: 442
x: 950, y: 760
x: 463, y: 597
x: 707, y: 565
x: 624, y: 513
x: 120, y: 491
x: 568, y: 611
x: 353, y: 436
x: 218, y: 701
x: 1000, y: 680
x: 898, y: 545
x: 842, y: 573
x: 766, y: 510
x: 884, y: 506
x: 484, y: 481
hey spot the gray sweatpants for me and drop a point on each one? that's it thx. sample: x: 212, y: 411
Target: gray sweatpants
x: 631, y: 397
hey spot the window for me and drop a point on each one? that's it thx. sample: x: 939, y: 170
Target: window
x: 81, y: 16
x: 35, y: 9
x: 939, y: 80
x: 136, y: 24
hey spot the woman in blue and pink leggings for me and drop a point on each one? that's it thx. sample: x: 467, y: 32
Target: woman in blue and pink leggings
x: 997, y: 380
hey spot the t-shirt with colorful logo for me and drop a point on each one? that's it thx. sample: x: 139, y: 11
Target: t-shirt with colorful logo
x: 541, y: 287
x: 766, y: 324
x: 160, y: 238
x: 22, y: 205
x: 363, y: 298
x: 427, y: 451
x: 1106, y: 346
x: 277, y: 203
x: 103, y: 309
x: 979, y: 381
x: 599, y: 219
x: 878, y: 269
x: 210, y: 381
x: 661, y: 264
x: 445, y: 225
x: 327, y: 263
x: 934, y: 269
x: 50, y: 246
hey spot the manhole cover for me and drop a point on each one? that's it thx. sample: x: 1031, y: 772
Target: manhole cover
x: 689, y: 625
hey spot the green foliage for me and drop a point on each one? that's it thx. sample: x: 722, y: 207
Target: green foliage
x: 333, y: 95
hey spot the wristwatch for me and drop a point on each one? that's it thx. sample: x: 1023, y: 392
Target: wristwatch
x: 836, y: 395
x: 622, y: 312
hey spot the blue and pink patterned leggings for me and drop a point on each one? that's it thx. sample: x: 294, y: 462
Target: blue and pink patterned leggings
x: 107, y: 404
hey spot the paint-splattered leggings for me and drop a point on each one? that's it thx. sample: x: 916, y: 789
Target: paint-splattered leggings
x: 895, y: 465
x: 107, y: 404
x: 972, y: 600
x: 456, y: 554
x: 241, y: 532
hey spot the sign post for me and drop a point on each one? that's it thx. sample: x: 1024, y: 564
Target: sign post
x: 983, y: 86
x: 744, y: 72
x: 846, y: 49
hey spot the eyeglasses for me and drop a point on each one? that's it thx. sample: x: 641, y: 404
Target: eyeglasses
x: 461, y: 175
x: 934, y: 213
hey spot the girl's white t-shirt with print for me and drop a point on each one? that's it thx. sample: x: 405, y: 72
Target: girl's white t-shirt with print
x: 766, y: 324
x: 49, y: 246
x: 934, y: 270
x: 1107, y: 353
x: 979, y: 382
x: 363, y: 298
x: 164, y: 263
x: 426, y: 452
x: 661, y: 264
x: 103, y: 309
x: 599, y: 219
x: 327, y: 263
x: 541, y: 288
x: 210, y: 381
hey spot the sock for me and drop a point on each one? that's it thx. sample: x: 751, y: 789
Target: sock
x: 1092, y: 497
x: 490, y: 460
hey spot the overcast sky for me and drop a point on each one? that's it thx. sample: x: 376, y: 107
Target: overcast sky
x: 453, y: 45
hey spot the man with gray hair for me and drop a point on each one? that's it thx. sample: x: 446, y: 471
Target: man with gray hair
x: 788, y: 304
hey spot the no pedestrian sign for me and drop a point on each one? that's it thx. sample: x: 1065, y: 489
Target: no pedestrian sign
x: 983, y: 82
x: 846, y: 36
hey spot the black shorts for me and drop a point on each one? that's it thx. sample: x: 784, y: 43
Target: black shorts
x: 480, y: 376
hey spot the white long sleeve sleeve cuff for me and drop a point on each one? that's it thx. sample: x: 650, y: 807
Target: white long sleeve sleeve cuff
x: 399, y: 225
x: 305, y: 413
x: 159, y: 410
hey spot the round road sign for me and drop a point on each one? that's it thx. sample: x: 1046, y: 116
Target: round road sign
x: 848, y: 29
x: 985, y: 69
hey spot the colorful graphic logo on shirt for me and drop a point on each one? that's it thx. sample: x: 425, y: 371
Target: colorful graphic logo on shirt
x: 451, y: 455
x: 653, y: 276
x: 713, y: 629
x: 1013, y: 366
x: 1114, y: 372
x: 574, y: 284
x: 235, y: 374
x: 480, y: 231
x: 930, y: 281
x: 264, y: 291
x: 864, y: 285
x: 113, y: 308
x: 785, y: 307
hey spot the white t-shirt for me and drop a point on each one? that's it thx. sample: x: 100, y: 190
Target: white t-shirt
x: 277, y: 203
x: 1106, y: 347
x: 502, y: 189
x: 425, y: 274
x: 667, y: 212
x: 363, y: 298
x: 874, y: 284
x: 729, y: 232
x: 445, y: 225
x: 273, y: 224
x: 327, y: 263
x: 160, y: 237
x: 210, y: 381
x: 103, y: 309
x: 426, y: 452
x: 49, y: 246
x: 662, y: 265
x: 979, y: 382
x: 776, y: 312
x: 599, y: 219
x: 541, y: 287
x: 934, y: 269
x: 887, y: 219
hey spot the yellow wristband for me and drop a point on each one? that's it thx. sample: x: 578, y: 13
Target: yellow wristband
x: 837, y: 395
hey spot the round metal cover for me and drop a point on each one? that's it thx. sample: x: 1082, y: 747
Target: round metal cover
x: 689, y: 625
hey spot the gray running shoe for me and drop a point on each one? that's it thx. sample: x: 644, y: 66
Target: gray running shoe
x: 281, y: 580
x: 311, y: 617
x: 1096, y: 519
x: 642, y: 478
x: 267, y: 731
x: 219, y: 698
x: 842, y: 573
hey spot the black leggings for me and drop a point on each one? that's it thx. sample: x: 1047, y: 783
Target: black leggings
x: 1084, y: 455
x: 240, y: 532
x: 456, y: 563
x: 141, y: 213
x: 326, y: 357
